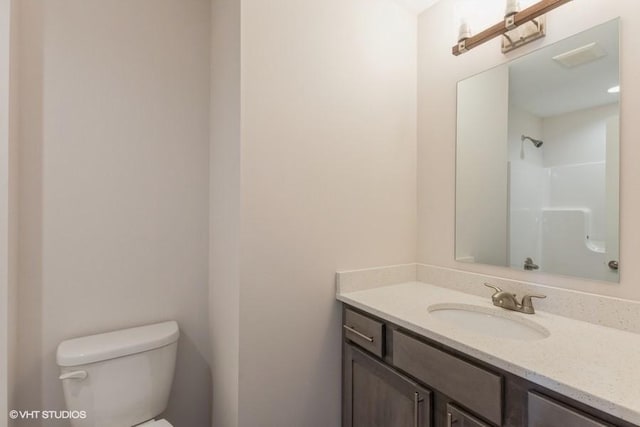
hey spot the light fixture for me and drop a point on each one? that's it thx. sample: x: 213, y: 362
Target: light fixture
x: 615, y: 89
x: 512, y: 20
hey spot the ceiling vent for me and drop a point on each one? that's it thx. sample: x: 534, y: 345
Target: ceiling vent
x: 580, y: 56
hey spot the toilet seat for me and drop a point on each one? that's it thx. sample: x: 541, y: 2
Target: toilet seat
x: 156, y: 423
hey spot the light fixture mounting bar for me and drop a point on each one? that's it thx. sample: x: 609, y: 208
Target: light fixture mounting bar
x: 532, y: 12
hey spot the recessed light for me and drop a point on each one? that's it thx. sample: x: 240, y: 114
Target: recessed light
x: 615, y: 89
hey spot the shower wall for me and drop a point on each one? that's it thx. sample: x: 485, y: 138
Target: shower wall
x: 527, y: 193
x: 558, y: 193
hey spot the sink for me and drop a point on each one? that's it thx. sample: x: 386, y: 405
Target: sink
x: 487, y: 321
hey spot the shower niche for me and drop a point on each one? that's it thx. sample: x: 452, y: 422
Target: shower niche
x: 537, y: 160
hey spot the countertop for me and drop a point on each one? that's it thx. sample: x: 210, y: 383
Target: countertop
x: 592, y: 364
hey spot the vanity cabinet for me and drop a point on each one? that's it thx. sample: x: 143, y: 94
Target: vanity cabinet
x: 393, y: 377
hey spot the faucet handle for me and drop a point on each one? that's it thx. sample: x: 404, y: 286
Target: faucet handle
x: 528, y: 297
x: 527, y: 305
x: 495, y: 288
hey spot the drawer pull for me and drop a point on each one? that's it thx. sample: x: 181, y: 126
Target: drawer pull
x: 360, y: 334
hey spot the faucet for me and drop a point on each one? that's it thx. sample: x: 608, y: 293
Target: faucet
x: 509, y: 301
x: 530, y: 265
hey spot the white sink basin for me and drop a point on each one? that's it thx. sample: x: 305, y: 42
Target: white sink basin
x: 491, y: 322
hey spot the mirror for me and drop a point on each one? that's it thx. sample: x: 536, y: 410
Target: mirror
x: 537, y: 160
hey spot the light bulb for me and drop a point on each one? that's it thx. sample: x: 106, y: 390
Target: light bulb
x: 464, y: 32
x: 513, y: 6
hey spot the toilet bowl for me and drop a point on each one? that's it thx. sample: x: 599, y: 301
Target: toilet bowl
x: 103, y: 374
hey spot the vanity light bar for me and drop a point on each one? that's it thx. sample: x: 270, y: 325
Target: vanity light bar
x: 528, y: 14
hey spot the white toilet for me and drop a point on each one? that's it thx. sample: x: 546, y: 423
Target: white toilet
x: 121, y: 378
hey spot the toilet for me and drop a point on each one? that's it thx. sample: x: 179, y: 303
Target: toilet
x: 120, y: 378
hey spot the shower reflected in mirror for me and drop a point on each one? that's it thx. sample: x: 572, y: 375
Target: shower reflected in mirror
x: 536, y: 142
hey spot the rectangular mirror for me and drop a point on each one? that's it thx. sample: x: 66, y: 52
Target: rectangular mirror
x: 537, y: 160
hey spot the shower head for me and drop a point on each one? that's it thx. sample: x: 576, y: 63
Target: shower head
x: 535, y: 142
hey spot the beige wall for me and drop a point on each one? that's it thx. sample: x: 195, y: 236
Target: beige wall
x: 224, y: 199
x: 5, y: 325
x: 114, y: 133
x: 8, y: 206
x: 14, y: 213
x: 438, y: 72
x: 328, y: 183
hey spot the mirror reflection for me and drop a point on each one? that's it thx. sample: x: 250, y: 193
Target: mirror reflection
x: 538, y: 160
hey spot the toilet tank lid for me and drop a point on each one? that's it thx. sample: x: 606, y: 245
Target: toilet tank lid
x: 110, y: 345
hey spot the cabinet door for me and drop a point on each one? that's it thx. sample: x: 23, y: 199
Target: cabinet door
x: 375, y: 395
x: 458, y: 418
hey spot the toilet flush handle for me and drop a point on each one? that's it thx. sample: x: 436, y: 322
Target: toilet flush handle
x: 75, y: 375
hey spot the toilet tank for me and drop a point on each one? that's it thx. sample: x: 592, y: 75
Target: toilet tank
x: 120, y: 378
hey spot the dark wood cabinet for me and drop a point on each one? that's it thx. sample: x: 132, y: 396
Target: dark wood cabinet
x: 364, y: 331
x: 544, y: 412
x: 456, y: 417
x: 474, y: 387
x: 395, y: 378
x: 377, y: 396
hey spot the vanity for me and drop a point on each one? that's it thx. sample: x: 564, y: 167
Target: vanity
x: 404, y: 364
x: 537, y: 190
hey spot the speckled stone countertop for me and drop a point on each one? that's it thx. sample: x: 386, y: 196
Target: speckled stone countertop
x: 592, y: 364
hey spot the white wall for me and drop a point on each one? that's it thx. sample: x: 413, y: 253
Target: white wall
x: 482, y: 172
x: 438, y: 72
x: 224, y: 199
x: 114, y: 133
x: 328, y: 183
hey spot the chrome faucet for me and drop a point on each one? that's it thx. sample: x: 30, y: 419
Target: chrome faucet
x: 509, y: 301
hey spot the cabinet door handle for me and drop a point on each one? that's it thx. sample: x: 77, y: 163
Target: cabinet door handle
x: 416, y: 409
x: 360, y: 334
x: 449, y: 419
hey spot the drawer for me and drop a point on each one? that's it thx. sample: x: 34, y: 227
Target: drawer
x: 475, y: 388
x: 364, y: 331
x: 545, y: 412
